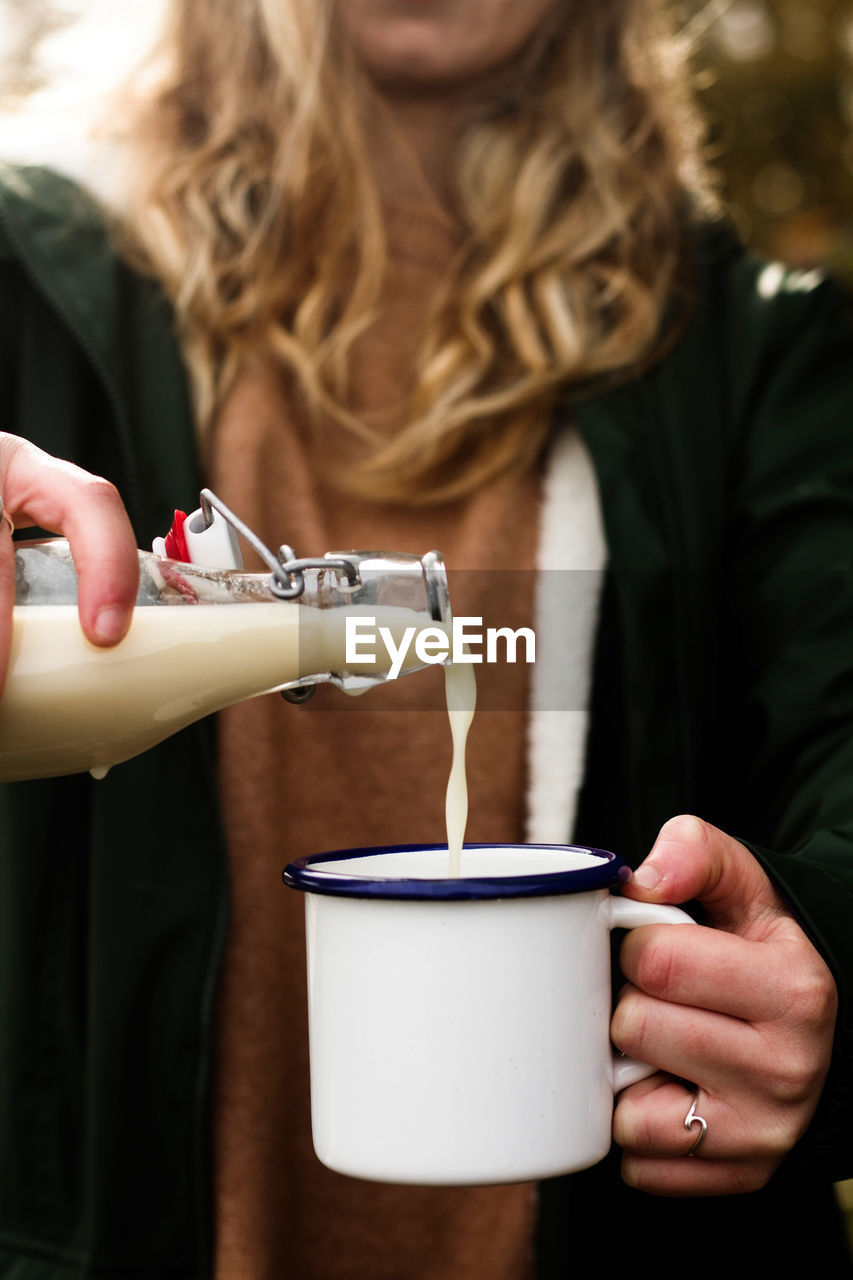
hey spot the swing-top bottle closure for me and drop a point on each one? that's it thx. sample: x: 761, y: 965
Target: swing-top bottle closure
x: 212, y: 574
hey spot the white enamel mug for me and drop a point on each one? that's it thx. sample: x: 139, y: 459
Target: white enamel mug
x: 459, y: 1028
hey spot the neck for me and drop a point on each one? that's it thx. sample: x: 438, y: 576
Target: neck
x: 411, y: 141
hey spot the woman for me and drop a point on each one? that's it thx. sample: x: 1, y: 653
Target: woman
x: 440, y: 276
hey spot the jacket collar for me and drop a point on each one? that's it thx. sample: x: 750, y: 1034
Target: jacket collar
x: 123, y: 326
x: 58, y: 234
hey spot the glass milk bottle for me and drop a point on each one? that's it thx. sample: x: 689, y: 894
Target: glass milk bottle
x: 201, y: 638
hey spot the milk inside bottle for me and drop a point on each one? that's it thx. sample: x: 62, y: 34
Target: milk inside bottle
x: 200, y: 639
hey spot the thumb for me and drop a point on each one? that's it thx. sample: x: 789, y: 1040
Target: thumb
x: 693, y: 860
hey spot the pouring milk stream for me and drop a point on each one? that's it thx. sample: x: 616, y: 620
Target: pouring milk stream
x: 203, y: 638
x: 460, y: 687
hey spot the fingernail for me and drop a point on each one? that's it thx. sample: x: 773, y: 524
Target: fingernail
x: 647, y: 876
x: 110, y: 624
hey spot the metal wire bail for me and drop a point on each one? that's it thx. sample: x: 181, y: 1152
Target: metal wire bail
x: 287, y: 580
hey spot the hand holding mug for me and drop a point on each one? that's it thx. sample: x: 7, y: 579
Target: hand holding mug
x: 745, y: 1011
x: 458, y: 1026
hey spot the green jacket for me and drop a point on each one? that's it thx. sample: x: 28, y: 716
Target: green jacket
x: 723, y: 686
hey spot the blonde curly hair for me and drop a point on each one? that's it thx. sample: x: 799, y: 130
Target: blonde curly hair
x: 255, y: 206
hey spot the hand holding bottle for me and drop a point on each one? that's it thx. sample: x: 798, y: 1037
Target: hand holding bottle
x: 38, y: 489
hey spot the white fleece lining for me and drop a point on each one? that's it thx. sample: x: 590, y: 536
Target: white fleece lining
x: 571, y: 560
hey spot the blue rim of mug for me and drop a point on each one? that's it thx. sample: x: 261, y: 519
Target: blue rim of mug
x: 606, y: 872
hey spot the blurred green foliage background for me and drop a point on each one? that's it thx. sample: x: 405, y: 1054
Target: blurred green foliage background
x: 776, y: 80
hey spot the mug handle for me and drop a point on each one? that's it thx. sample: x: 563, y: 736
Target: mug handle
x: 627, y: 913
